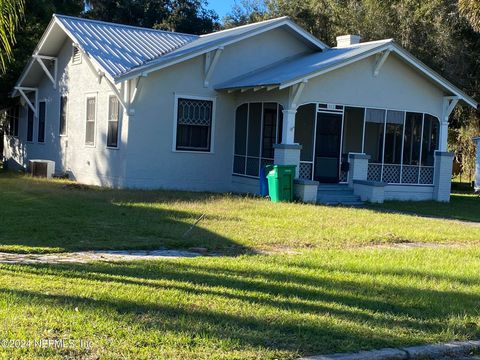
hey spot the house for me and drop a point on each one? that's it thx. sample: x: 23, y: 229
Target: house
x: 124, y: 106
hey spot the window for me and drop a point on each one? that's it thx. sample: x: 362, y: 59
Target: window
x: 42, y: 108
x: 76, y: 56
x: 63, y: 116
x: 194, y: 124
x: 257, y: 129
x: 12, y: 116
x: 113, y: 115
x: 90, y: 121
x: 30, y: 116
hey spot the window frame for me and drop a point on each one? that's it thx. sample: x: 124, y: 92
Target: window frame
x: 44, y: 122
x: 178, y: 96
x: 60, y: 115
x: 119, y: 121
x: 89, y: 96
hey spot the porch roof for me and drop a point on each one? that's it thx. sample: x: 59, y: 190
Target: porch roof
x: 300, y: 69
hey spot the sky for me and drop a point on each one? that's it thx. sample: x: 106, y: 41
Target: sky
x: 222, y: 7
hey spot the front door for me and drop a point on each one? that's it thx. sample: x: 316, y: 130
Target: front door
x: 327, y: 147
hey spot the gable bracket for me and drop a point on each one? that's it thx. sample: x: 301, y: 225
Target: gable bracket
x: 117, y: 94
x: 380, y: 61
x: 40, y: 59
x: 295, y: 93
x: 22, y: 90
x: 210, y: 63
x: 449, y: 103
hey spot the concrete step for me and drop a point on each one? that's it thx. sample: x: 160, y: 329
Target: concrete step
x: 333, y: 187
x: 337, y: 197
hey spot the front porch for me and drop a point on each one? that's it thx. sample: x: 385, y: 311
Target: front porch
x: 376, y: 154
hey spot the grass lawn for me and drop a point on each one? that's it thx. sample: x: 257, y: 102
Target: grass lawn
x: 334, y: 292
x: 41, y: 216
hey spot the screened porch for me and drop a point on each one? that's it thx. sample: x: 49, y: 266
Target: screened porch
x: 400, y: 144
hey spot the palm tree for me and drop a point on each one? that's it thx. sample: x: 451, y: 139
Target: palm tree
x: 471, y: 10
x: 11, y: 12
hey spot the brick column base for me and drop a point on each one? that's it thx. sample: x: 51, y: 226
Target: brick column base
x: 442, y: 179
x: 287, y: 154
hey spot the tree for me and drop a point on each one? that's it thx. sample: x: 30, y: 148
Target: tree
x: 189, y: 16
x: 11, y: 11
x: 471, y: 10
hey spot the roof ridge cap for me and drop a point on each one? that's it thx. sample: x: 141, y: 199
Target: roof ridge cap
x: 247, y: 25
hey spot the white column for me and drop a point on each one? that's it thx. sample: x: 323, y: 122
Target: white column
x: 288, y: 129
x: 443, y: 135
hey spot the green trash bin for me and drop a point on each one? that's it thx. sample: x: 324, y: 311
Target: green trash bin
x: 280, y: 182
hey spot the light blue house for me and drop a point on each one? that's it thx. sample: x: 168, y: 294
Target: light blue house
x: 123, y: 106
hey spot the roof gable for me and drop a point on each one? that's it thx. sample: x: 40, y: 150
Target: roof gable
x: 119, y: 48
x: 303, y: 68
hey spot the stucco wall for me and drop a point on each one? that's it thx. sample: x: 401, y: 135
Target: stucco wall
x: 397, y: 87
x: 152, y: 162
x: 88, y: 164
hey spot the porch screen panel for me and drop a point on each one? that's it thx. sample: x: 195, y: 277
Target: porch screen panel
x: 241, y: 120
x: 253, y: 142
x: 305, y: 130
x: 411, y: 148
x: 430, y: 139
x: 374, y: 126
x: 30, y: 115
x: 353, y: 130
x: 393, y: 137
x: 269, y: 131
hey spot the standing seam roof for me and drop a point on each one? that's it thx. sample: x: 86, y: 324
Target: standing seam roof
x: 119, y: 48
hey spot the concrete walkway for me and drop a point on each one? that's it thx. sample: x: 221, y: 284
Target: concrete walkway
x: 89, y: 256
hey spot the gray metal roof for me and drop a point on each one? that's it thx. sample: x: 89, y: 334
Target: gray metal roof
x: 299, y: 67
x: 119, y: 48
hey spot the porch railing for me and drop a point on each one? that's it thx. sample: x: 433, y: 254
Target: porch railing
x: 306, y: 172
x: 400, y: 174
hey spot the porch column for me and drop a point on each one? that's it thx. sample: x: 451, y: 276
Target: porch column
x: 443, y: 135
x: 442, y: 178
x: 477, y: 163
x: 288, y: 152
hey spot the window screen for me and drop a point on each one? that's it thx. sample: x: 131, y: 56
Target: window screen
x: 113, y: 115
x: 30, y: 124
x: 41, y: 121
x: 90, y: 121
x: 194, y: 124
x: 63, y: 116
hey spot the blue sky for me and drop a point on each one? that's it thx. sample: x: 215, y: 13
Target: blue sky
x: 222, y: 7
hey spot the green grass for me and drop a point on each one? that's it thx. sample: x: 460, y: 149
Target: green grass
x: 335, y: 293
x: 249, y: 307
x: 46, y: 216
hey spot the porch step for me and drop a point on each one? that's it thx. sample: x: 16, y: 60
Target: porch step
x: 337, y: 194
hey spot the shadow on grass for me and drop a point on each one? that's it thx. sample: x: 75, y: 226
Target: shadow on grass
x: 462, y: 207
x: 53, y: 217
x: 309, y: 313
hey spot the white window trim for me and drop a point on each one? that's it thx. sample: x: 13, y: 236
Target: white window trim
x: 119, y: 122
x: 60, y: 114
x: 73, y: 57
x: 212, y: 127
x: 87, y: 96
x: 46, y: 101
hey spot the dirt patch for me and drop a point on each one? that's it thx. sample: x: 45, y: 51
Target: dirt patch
x: 89, y: 256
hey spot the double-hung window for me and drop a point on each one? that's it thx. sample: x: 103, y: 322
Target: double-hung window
x: 113, y: 116
x: 63, y: 115
x: 91, y: 114
x: 42, y: 110
x: 30, y: 117
x: 194, y: 124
